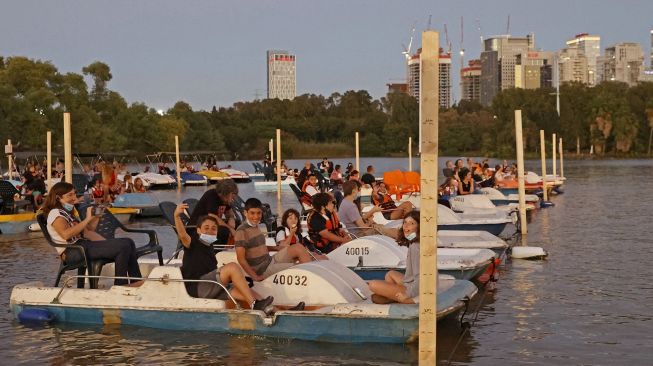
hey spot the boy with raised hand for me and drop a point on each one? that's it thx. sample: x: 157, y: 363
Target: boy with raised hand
x: 253, y: 254
x: 199, y: 263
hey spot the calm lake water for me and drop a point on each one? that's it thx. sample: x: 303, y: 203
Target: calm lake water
x: 589, y: 303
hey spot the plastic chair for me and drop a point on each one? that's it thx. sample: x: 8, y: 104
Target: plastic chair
x: 301, y: 197
x: 192, y: 203
x: 81, y: 264
x: 109, y: 224
x: 9, y: 204
x: 412, y: 180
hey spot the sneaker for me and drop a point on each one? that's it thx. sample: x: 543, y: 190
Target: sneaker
x: 264, y: 305
x: 298, y: 307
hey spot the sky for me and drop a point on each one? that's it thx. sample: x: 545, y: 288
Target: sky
x: 211, y: 53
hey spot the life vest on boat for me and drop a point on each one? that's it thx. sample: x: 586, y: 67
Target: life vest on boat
x: 294, y: 239
x: 306, y: 197
x: 332, y: 224
x: 97, y: 192
x: 384, y: 201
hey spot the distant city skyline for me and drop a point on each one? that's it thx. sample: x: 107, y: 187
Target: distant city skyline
x: 209, y: 53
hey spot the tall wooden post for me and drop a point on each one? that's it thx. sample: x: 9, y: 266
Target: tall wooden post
x: 577, y: 146
x: 10, y: 162
x: 554, y: 148
x: 271, y: 148
x: 429, y: 80
x: 562, y: 166
x: 358, y: 156
x: 519, y: 138
x: 48, y: 142
x: 543, y: 155
x: 67, y: 148
x: 279, y: 166
x: 410, y: 154
x: 177, y: 162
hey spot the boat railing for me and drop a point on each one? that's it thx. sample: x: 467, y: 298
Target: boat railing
x: 164, y: 279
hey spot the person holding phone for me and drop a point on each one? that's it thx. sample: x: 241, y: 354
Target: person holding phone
x: 66, y: 227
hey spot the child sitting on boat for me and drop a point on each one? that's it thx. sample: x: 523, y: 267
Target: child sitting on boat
x: 324, y: 229
x: 398, y: 287
x: 199, y: 263
x: 252, y: 252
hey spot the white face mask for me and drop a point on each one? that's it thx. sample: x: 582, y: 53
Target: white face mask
x: 411, y: 236
x: 209, y: 239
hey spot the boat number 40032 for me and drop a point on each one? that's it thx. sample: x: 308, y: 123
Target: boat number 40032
x: 358, y: 251
x: 289, y: 280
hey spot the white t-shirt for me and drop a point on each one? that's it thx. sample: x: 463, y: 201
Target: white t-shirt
x: 52, y: 216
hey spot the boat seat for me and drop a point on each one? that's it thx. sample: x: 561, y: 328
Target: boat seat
x: 299, y: 194
x: 81, y: 263
x: 109, y: 224
x: 192, y: 203
x: 9, y: 203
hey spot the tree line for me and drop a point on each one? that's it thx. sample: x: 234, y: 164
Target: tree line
x: 614, y: 118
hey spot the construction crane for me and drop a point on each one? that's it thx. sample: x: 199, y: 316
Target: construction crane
x: 406, y: 51
x: 462, y: 49
x: 446, y: 36
x: 480, y: 33
x: 508, y: 26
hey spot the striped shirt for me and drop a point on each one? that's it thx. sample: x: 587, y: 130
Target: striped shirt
x: 252, y: 239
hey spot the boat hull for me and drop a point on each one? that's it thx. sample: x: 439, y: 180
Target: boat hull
x: 494, y: 229
x: 17, y: 223
x: 339, y: 329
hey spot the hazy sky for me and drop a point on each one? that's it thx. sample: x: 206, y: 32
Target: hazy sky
x: 213, y: 52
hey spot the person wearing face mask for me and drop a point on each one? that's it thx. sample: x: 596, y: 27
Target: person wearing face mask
x: 398, y: 287
x: 199, y: 263
x: 66, y: 227
x: 349, y: 213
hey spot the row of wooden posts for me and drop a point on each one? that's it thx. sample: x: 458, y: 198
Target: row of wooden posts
x: 429, y: 185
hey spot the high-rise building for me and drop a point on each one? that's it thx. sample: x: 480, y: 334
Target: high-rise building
x: 589, y: 47
x: 533, y: 70
x: 651, y: 61
x: 572, y: 66
x: 281, y: 75
x: 470, y: 81
x: 622, y: 62
x: 498, y: 62
x: 444, y: 91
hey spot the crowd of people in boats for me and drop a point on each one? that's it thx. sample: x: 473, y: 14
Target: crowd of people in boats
x: 462, y: 179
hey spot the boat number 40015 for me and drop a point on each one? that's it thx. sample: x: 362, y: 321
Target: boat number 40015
x: 358, y: 251
x: 289, y: 280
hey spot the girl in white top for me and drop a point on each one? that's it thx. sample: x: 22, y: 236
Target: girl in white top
x: 66, y: 227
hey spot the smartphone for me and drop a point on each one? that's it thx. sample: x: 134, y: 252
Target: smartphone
x: 99, y: 211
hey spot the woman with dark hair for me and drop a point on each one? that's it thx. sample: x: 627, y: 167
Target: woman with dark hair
x: 324, y: 229
x: 467, y: 182
x: 398, y: 287
x: 66, y: 227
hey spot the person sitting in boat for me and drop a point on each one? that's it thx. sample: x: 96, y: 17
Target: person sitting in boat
x: 448, y: 189
x: 289, y: 232
x: 216, y: 203
x: 138, y: 187
x: 447, y: 171
x: 304, y: 173
x: 336, y: 176
x: 163, y: 169
x: 199, y: 263
x: 349, y: 212
x: 65, y: 227
x: 355, y: 175
x: 127, y: 185
x: 390, y: 210
x: 324, y: 229
x: 498, y: 174
x: 325, y: 167
x: 399, y: 287
x: 33, y: 186
x: 110, y: 183
x: 488, y: 179
x: 310, y: 188
x: 368, y: 177
x: 98, y: 192
x: 467, y: 183
x: 252, y: 253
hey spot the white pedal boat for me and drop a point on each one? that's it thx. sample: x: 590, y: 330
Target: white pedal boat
x: 338, y: 306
